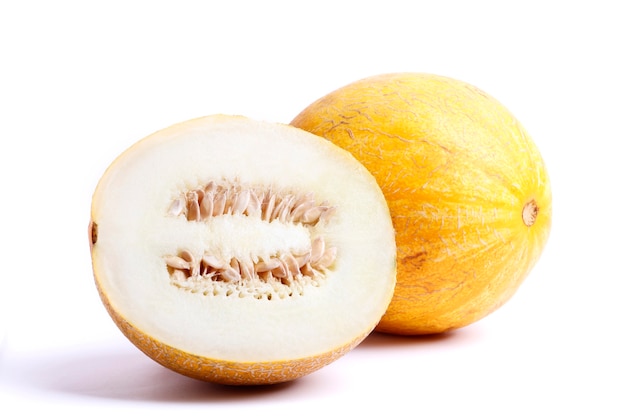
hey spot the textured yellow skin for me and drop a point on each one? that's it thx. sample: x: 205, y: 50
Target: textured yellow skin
x: 457, y: 169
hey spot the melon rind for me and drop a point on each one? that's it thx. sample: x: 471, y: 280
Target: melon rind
x: 457, y: 170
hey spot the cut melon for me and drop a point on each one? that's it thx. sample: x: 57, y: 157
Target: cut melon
x: 241, y: 252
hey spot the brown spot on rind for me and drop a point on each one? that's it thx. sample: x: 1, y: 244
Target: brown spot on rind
x: 93, y: 233
x: 416, y: 260
x: 530, y: 212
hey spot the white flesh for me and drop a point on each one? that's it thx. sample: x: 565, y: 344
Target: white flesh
x: 135, y: 233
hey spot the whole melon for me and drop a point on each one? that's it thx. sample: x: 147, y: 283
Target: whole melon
x: 467, y: 188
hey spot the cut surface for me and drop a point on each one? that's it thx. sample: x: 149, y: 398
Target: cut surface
x: 241, y: 242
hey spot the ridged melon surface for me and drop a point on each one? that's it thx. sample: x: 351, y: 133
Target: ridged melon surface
x: 467, y: 188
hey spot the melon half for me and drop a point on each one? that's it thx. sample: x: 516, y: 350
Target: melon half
x: 241, y: 252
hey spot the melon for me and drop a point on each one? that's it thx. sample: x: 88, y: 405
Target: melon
x: 467, y: 188
x: 241, y: 252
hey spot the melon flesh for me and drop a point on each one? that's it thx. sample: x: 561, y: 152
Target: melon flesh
x: 250, y: 330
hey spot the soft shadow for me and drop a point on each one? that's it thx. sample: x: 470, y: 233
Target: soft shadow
x: 378, y: 340
x: 131, y: 376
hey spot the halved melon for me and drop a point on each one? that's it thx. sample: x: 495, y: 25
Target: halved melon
x: 241, y: 252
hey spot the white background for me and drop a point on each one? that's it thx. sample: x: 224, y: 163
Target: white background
x: 82, y: 81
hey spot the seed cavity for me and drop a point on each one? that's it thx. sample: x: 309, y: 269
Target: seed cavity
x: 215, y: 200
x: 283, y: 274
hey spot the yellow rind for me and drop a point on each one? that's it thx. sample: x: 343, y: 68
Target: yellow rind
x: 456, y: 169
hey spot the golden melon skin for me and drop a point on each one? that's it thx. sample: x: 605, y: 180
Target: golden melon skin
x: 467, y: 189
